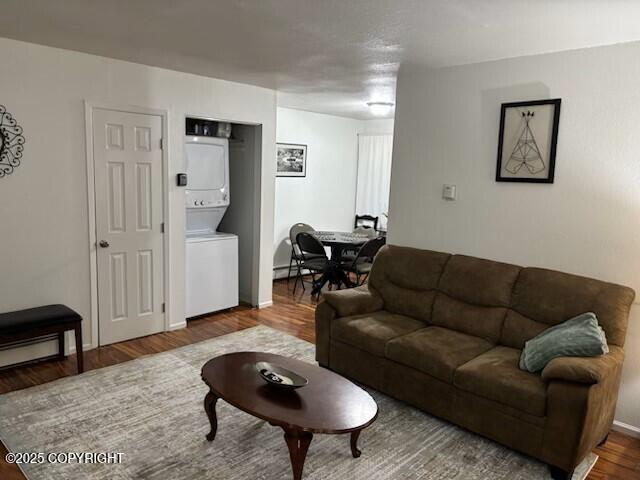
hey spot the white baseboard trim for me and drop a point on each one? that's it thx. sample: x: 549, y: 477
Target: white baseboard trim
x: 279, y: 274
x: 39, y: 350
x: 282, y: 272
x: 266, y: 304
x: 88, y: 346
x: 85, y: 347
x: 29, y: 352
x: 626, y: 429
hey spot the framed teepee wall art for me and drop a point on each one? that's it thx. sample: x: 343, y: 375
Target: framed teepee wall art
x: 527, y: 141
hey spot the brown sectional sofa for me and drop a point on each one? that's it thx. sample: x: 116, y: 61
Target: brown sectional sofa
x: 445, y: 332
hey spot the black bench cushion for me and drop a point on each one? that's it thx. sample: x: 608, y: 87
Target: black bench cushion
x: 48, y: 315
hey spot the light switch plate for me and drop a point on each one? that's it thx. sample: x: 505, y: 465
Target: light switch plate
x: 449, y: 192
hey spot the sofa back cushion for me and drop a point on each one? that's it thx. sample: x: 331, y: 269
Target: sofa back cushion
x: 502, y: 303
x: 406, y: 278
x: 473, y: 296
x: 543, y: 298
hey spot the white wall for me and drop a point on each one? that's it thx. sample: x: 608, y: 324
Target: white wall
x: 381, y: 126
x: 587, y: 222
x: 325, y: 198
x: 44, y: 251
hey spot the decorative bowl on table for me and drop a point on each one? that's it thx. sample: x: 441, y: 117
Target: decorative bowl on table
x: 279, y: 376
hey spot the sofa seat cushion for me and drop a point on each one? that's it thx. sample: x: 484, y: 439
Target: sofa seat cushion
x: 495, y: 375
x: 372, y: 331
x: 436, y: 351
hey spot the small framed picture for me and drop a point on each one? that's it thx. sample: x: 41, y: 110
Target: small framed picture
x: 527, y: 141
x: 292, y: 160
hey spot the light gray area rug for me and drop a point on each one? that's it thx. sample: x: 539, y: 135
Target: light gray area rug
x: 150, y: 409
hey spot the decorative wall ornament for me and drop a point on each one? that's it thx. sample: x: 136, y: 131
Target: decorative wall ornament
x: 527, y: 141
x: 11, y: 143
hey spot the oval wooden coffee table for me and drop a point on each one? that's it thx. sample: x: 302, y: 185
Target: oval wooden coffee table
x: 328, y: 404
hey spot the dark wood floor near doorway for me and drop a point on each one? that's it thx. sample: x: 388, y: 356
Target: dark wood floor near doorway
x: 619, y: 457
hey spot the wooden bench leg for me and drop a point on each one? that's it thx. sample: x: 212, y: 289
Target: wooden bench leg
x: 79, y: 355
x: 61, y: 345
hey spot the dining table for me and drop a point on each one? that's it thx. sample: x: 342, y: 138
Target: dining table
x: 334, y: 273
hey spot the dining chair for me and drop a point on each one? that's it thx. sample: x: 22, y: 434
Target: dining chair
x: 296, y: 256
x: 361, y: 265
x: 368, y: 231
x: 313, y: 256
x: 368, y: 221
x: 349, y: 254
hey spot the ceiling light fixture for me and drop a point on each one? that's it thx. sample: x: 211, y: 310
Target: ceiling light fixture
x: 380, y: 108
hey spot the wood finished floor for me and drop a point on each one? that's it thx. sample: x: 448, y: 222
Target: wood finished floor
x: 619, y: 457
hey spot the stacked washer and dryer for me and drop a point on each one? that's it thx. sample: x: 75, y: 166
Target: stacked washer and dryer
x: 211, y: 256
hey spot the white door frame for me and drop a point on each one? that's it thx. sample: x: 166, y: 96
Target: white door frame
x: 89, y: 107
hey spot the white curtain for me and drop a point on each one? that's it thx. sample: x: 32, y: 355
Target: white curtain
x: 374, y: 176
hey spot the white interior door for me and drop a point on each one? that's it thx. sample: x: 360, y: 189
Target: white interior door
x: 127, y: 153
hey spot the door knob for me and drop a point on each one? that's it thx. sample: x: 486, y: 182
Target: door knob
x: 103, y: 243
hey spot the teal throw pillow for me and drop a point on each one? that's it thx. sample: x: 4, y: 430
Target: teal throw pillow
x: 580, y: 336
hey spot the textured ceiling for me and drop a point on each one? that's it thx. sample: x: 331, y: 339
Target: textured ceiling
x: 328, y: 56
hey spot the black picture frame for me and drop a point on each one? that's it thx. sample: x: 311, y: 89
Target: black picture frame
x: 555, y: 102
x: 295, y: 149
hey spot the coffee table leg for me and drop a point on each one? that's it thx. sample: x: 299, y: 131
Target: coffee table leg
x: 354, y: 444
x: 210, y: 407
x: 298, y: 443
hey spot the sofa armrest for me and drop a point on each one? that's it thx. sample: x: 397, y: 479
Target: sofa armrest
x: 342, y: 303
x: 581, y: 402
x: 587, y: 370
x: 354, y: 301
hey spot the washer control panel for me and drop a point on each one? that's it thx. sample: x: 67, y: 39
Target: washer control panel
x: 206, y: 198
